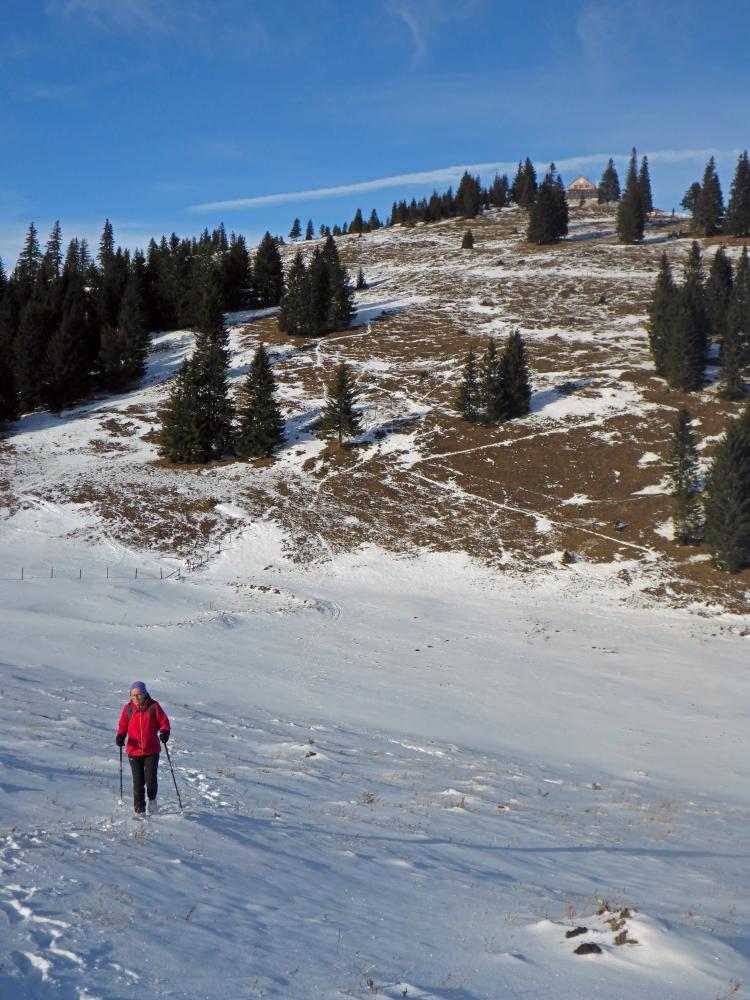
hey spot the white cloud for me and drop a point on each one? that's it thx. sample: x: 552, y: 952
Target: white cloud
x: 450, y: 175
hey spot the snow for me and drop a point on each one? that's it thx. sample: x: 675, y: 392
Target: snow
x: 403, y: 771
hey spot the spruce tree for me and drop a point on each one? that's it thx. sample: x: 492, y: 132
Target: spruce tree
x: 320, y: 292
x: 491, y: 386
x: 682, y: 473
x: 294, y: 313
x: 341, y: 309
x: 122, y: 357
x: 53, y: 257
x: 609, y: 185
x: 686, y: 357
x: 357, y: 224
x: 514, y: 375
x: 644, y: 188
x: 468, y: 400
x: 499, y: 191
x: 528, y: 185
x: 268, y: 274
x: 260, y: 428
x: 737, y: 222
x: 691, y: 196
x: 718, y: 291
x: 736, y: 336
x: 67, y: 373
x: 468, y: 196
x: 361, y: 281
x: 708, y: 210
x: 210, y: 363
x: 374, y: 222
x: 661, y: 316
x: 548, y: 215
x: 179, y: 436
x: 27, y: 269
x: 296, y: 231
x: 238, y: 275
x: 339, y: 419
x: 467, y: 243
x: 727, y: 502
x: 631, y: 216
x: 309, y: 230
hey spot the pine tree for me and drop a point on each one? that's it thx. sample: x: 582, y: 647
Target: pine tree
x: 631, y: 216
x: 268, y: 274
x: 727, y: 503
x: 339, y: 418
x: 467, y: 243
x: 609, y: 185
x: 361, y: 280
x: 341, y: 309
x: 210, y: 364
x: 296, y: 231
x: 691, y: 196
x: 294, y: 313
x: 357, y: 224
x: 123, y: 352
x: 682, y: 473
x: 737, y: 222
x: 661, y: 316
x: 179, y: 436
x: 374, y: 222
x: 708, y: 210
x: 491, y: 386
x: 261, y: 427
x: 499, y: 192
x: 644, y: 188
x: 309, y: 231
x: 53, y: 258
x: 28, y: 267
x: 736, y: 338
x: 548, y: 215
x: 319, y: 304
x: 468, y: 398
x: 718, y: 291
x: 524, y: 185
x: 67, y: 373
x: 469, y: 196
x: 514, y: 375
x: 686, y: 357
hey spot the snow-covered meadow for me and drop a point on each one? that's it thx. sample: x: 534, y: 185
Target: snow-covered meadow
x: 401, y: 777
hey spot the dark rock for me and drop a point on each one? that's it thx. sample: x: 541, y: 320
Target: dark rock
x: 588, y: 948
x: 576, y: 931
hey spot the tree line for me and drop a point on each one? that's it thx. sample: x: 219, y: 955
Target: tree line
x: 72, y: 323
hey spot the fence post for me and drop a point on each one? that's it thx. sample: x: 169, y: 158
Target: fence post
x: 51, y: 572
x: 136, y: 572
x: 108, y: 572
x: 161, y: 573
x: 80, y: 574
x: 22, y: 572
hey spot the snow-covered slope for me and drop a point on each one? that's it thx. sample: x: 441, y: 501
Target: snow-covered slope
x: 400, y: 777
x: 406, y: 771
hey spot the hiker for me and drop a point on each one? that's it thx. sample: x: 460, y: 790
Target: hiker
x: 144, y: 723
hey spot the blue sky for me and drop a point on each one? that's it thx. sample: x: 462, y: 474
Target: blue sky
x: 177, y: 114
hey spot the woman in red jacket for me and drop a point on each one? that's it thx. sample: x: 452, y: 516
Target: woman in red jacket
x: 144, y: 723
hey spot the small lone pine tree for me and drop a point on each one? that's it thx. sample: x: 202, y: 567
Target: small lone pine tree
x: 467, y: 243
x: 296, y: 231
x: 339, y: 419
x: 682, y: 473
x: 260, y: 428
x: 309, y: 231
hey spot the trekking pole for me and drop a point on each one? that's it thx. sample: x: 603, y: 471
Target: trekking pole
x: 173, y: 777
x: 120, y: 775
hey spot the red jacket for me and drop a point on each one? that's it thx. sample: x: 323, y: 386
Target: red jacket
x: 142, y: 726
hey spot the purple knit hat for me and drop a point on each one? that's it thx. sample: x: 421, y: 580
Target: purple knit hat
x: 138, y: 686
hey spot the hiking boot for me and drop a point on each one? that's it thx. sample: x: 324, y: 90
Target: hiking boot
x: 153, y: 808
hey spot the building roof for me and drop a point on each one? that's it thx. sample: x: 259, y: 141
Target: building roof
x: 581, y: 184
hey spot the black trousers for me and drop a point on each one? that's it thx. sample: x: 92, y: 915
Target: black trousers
x: 144, y: 773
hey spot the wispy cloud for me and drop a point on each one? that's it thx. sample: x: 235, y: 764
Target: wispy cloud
x: 450, y: 175
x: 120, y: 15
x: 405, y: 13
